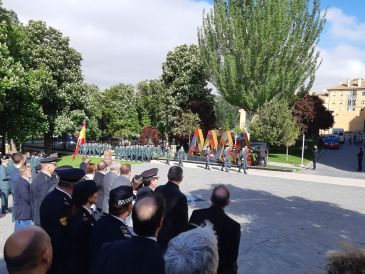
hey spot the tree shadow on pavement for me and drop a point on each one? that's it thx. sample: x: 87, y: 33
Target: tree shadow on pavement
x: 287, y: 235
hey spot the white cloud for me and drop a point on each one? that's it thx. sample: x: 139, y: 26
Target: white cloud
x: 344, y: 26
x: 339, y: 64
x: 120, y: 40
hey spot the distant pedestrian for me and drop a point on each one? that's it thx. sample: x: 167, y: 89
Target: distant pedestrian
x: 207, y: 157
x: 355, y: 140
x: 360, y: 154
x: 315, y: 157
x: 350, y: 139
x: 168, y: 154
x: 181, y: 156
x: 242, y: 160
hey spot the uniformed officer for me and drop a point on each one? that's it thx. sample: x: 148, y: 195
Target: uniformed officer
x: 225, y: 159
x: 207, y: 157
x: 42, y: 185
x: 150, y: 182
x: 112, y: 227
x: 53, y: 214
x: 181, y: 156
x: 79, y: 226
x: 4, y: 184
x: 242, y: 160
x: 360, y: 155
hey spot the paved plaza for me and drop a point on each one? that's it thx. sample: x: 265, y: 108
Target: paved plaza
x: 289, y: 220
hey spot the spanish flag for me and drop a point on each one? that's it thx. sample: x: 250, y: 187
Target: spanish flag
x: 81, y: 139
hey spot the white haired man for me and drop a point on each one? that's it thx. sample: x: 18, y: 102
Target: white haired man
x: 194, y: 251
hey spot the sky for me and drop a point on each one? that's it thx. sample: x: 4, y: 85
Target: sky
x: 126, y: 41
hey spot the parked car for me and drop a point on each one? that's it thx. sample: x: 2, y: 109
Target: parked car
x: 331, y: 141
x: 340, y: 132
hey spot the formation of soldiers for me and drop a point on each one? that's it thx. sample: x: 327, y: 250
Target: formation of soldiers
x: 94, y: 149
x: 137, y: 153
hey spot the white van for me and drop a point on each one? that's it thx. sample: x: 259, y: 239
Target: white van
x: 340, y: 132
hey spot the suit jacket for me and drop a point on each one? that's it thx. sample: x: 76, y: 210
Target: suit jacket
x: 4, y: 180
x: 107, y: 229
x: 143, y: 191
x: 83, y: 166
x: 107, y: 183
x: 228, y: 232
x: 99, y: 181
x: 53, y: 214
x: 79, y: 227
x: 137, y: 255
x: 176, y: 216
x: 22, y: 201
x: 121, y: 180
x: 40, y: 187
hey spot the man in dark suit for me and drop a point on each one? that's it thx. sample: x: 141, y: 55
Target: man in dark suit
x: 112, y: 227
x: 42, y: 185
x: 99, y: 181
x: 228, y: 230
x: 150, y: 181
x: 22, y: 202
x: 140, y: 254
x: 176, y: 217
x: 53, y: 215
x: 107, y: 183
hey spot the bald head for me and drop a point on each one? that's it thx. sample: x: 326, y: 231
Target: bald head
x: 147, y: 215
x: 28, y: 250
x: 220, y: 196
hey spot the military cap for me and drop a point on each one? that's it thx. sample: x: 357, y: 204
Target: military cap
x: 149, y: 173
x: 121, y: 195
x: 83, y: 190
x: 57, y: 169
x: 71, y: 175
x: 48, y: 160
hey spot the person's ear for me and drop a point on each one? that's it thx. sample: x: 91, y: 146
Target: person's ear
x: 228, y: 202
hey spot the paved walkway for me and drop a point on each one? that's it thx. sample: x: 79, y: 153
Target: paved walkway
x: 289, y: 220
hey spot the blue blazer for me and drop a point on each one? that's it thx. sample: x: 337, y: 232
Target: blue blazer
x: 22, y: 200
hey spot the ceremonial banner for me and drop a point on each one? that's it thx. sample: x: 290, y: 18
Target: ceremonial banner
x: 81, y: 139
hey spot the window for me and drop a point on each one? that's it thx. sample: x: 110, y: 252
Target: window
x: 363, y: 102
x: 352, y: 93
x: 341, y: 93
x: 363, y: 93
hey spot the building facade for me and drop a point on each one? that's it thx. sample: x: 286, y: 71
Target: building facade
x: 347, y: 101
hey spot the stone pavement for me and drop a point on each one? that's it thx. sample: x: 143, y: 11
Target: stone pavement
x: 289, y: 220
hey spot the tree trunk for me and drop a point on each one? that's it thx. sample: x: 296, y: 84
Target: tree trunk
x: 48, y: 142
x: 3, y: 142
x: 287, y: 153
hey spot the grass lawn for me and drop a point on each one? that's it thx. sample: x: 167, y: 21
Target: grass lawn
x: 67, y: 160
x: 292, y: 159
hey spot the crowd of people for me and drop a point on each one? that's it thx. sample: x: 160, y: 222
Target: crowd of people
x: 100, y: 219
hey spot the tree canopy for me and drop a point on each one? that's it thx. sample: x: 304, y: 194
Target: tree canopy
x: 258, y: 50
x: 312, y: 115
x: 274, y: 124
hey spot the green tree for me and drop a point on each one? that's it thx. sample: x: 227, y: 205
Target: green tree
x: 186, y: 125
x: 258, y: 50
x: 19, y: 111
x: 59, y: 74
x: 186, y: 79
x: 120, y: 112
x: 274, y: 124
x: 159, y: 104
x: 228, y: 116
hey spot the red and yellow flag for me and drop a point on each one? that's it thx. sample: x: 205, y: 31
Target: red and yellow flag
x: 81, y: 139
